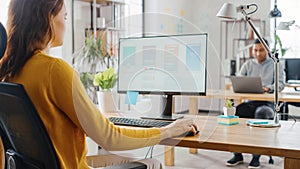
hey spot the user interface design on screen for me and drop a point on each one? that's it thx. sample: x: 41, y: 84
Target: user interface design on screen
x: 163, y: 64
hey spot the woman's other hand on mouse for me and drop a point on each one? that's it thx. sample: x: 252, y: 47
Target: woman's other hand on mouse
x: 178, y: 128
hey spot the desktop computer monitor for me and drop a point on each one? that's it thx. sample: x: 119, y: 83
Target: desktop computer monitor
x: 165, y: 65
x: 292, y: 70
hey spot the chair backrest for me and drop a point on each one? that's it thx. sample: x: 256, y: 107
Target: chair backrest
x: 25, y: 139
x: 3, y: 40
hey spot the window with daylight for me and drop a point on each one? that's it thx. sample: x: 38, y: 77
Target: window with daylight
x: 289, y: 38
x: 3, y: 11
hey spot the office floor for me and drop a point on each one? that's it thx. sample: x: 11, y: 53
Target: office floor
x: 208, y: 159
x: 204, y: 159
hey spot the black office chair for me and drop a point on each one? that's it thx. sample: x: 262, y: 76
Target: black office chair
x: 3, y: 40
x: 25, y: 139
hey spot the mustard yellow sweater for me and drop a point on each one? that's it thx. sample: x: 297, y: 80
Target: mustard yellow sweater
x: 69, y: 115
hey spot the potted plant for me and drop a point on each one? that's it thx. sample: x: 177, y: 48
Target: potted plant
x: 279, y: 42
x: 229, y: 109
x: 105, y: 82
x: 91, y: 56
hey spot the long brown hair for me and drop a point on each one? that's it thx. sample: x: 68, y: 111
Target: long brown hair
x: 29, y: 29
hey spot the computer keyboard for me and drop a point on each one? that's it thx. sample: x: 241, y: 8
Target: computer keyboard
x: 138, y: 122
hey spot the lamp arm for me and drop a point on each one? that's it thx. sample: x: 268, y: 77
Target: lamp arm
x: 274, y: 56
x: 267, y: 48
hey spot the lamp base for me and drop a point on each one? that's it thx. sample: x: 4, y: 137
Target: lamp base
x: 263, y: 123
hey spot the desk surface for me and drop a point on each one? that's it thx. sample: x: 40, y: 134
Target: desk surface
x: 282, y: 141
x: 229, y: 94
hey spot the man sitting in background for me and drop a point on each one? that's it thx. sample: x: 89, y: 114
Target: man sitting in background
x: 262, y: 66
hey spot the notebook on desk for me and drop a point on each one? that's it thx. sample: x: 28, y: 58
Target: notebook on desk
x: 245, y: 84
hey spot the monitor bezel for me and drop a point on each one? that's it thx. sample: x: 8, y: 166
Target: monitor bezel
x: 166, y: 92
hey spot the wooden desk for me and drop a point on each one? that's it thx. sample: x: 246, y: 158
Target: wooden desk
x: 228, y: 94
x: 282, y: 141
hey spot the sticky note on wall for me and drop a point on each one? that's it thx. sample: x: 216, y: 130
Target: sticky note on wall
x: 131, y: 97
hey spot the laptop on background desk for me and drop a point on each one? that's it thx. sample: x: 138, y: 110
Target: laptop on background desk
x: 246, y: 84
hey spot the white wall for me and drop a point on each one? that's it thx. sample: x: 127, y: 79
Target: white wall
x: 290, y: 39
x: 3, y: 12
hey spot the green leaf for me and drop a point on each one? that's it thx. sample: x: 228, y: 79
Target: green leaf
x: 229, y: 103
x: 279, y: 42
x: 105, y: 80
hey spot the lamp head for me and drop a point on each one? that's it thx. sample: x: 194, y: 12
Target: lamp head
x: 228, y: 11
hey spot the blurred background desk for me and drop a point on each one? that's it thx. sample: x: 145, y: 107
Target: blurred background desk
x: 229, y: 94
x: 240, y: 97
x: 287, y: 97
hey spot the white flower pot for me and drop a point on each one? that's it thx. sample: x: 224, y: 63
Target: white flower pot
x: 229, y: 111
x: 107, y: 101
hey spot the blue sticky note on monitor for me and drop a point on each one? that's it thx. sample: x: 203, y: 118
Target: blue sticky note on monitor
x: 131, y: 97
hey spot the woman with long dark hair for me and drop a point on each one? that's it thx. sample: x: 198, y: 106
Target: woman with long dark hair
x: 33, y: 27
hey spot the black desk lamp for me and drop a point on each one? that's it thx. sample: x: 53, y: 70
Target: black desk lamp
x: 229, y: 11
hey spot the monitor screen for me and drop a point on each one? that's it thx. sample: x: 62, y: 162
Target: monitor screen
x: 292, y: 69
x: 168, y: 65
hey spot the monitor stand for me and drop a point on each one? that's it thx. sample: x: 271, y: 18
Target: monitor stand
x: 167, y: 112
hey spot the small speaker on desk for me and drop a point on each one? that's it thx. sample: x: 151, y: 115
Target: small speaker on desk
x: 232, y: 67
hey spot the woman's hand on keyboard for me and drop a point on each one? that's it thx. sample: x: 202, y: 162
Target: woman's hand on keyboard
x: 178, y: 128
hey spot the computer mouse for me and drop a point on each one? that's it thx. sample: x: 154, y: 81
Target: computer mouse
x: 189, y: 133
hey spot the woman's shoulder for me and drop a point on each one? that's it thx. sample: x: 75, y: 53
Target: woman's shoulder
x: 49, y: 66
